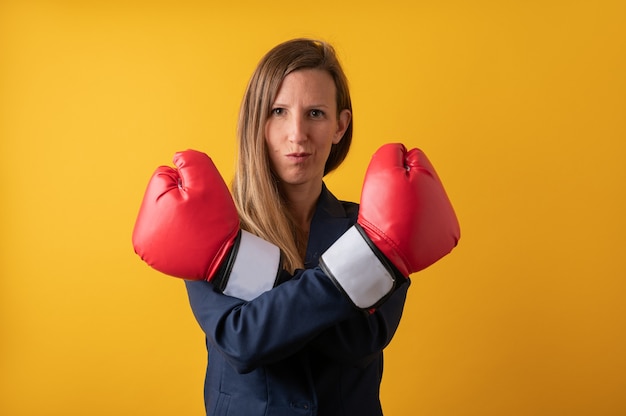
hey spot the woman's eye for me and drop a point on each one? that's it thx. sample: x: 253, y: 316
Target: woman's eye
x: 277, y: 111
x: 317, y: 113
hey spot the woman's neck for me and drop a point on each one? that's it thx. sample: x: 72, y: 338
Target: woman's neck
x: 301, y: 202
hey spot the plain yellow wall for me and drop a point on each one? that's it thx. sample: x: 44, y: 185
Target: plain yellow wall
x: 521, y: 106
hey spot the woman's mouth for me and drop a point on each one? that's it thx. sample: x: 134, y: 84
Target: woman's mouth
x: 298, y: 157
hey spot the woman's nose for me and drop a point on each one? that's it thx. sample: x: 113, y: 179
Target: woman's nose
x: 297, y: 129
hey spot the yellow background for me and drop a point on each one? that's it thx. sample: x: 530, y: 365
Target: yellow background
x: 521, y: 106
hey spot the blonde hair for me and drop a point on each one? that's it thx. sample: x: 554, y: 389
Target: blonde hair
x: 262, y: 208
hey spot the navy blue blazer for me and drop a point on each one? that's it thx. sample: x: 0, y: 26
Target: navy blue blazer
x: 301, y: 348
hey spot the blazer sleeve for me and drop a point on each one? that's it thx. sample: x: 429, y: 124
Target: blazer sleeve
x: 272, y: 326
x: 361, y: 337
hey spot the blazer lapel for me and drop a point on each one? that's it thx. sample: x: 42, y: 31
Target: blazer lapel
x: 329, y: 222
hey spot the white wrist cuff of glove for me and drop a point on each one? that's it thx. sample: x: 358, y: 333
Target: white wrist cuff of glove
x: 355, y: 267
x: 254, y: 268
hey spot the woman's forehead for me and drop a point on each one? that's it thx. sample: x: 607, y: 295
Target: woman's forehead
x: 312, y: 84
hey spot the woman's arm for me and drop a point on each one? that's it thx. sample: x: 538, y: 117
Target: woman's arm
x: 272, y: 326
x: 362, y: 337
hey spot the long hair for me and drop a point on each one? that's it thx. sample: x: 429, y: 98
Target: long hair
x: 262, y: 208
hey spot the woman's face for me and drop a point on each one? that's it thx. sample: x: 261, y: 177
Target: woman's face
x: 302, y: 127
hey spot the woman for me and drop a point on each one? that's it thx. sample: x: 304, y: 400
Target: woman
x: 311, y: 341
x: 302, y: 347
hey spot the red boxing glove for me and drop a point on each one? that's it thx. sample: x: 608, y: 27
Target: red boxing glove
x: 405, y: 219
x: 188, y: 227
x: 405, y: 210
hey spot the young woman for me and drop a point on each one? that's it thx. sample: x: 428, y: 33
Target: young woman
x: 302, y: 347
x: 309, y: 338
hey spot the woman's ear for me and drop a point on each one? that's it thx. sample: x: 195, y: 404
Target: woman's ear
x: 343, y: 121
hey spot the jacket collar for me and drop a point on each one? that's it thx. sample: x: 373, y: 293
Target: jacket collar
x: 329, y: 222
